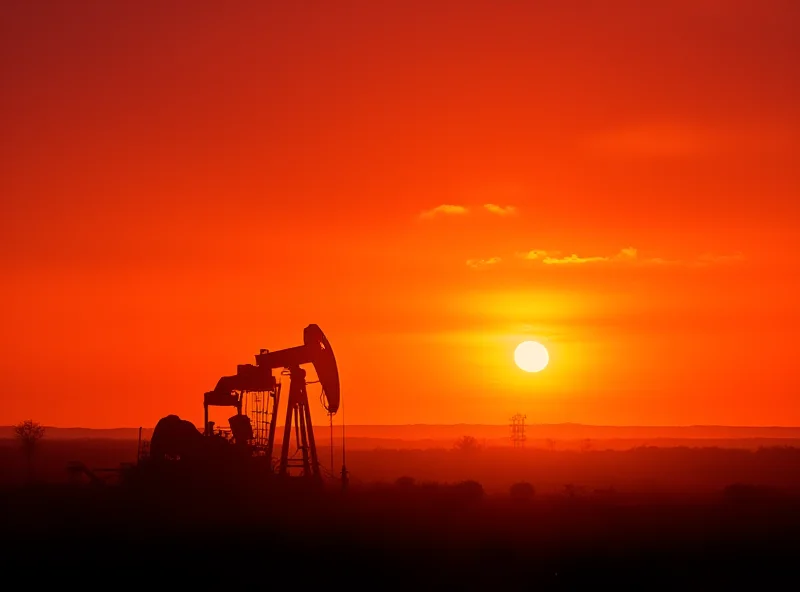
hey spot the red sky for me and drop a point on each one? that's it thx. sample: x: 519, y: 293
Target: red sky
x: 184, y: 183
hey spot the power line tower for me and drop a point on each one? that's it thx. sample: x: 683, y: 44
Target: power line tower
x: 518, y: 430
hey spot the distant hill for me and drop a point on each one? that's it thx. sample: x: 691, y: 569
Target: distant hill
x: 56, y: 433
x: 491, y: 433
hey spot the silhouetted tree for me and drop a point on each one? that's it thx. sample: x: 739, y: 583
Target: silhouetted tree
x: 551, y: 444
x: 29, y: 433
x: 405, y: 482
x: 572, y: 491
x: 467, y: 444
x: 521, y: 492
x: 468, y: 491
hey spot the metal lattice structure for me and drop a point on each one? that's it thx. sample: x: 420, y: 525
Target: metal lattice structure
x: 518, y: 430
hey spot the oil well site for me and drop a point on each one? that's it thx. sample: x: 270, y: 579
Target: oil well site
x: 257, y: 490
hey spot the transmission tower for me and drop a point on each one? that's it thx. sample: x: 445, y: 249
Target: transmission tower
x: 518, y: 430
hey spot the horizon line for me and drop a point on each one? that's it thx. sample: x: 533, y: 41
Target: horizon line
x: 392, y: 425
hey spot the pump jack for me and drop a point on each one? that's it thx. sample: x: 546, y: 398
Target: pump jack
x: 258, y: 378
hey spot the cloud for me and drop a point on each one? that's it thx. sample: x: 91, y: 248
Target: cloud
x: 648, y: 140
x: 500, y: 210
x: 677, y: 139
x: 455, y: 210
x: 483, y: 263
x: 627, y: 256
x: 572, y: 259
x: 534, y: 255
x: 444, y: 209
x: 714, y: 259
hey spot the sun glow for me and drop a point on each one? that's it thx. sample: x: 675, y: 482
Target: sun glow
x: 531, y: 356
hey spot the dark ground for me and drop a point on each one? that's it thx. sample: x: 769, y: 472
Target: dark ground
x: 695, y: 534
x: 409, y: 534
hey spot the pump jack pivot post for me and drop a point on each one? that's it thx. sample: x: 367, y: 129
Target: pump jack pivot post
x: 297, y: 411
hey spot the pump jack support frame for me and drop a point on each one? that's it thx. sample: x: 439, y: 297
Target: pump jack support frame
x: 297, y: 412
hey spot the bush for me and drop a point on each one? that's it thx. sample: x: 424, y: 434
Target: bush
x: 522, y: 491
x: 468, y: 491
x: 405, y: 482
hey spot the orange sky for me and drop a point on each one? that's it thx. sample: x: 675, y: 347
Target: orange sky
x: 184, y: 183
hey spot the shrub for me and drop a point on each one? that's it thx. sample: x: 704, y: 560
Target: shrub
x: 522, y: 491
x: 405, y: 482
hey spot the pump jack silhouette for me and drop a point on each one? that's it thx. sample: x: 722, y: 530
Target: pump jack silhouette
x: 231, y: 391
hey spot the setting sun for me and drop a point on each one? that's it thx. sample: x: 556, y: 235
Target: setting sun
x: 531, y: 356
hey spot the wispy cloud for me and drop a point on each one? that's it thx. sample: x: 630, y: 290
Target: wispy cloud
x: 500, y: 210
x: 572, y: 259
x: 483, y: 263
x: 648, y: 140
x: 444, y: 210
x: 714, y: 259
x: 535, y: 255
x: 671, y: 139
x: 456, y: 210
x: 628, y: 256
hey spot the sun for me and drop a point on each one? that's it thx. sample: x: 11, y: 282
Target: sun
x: 531, y: 356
